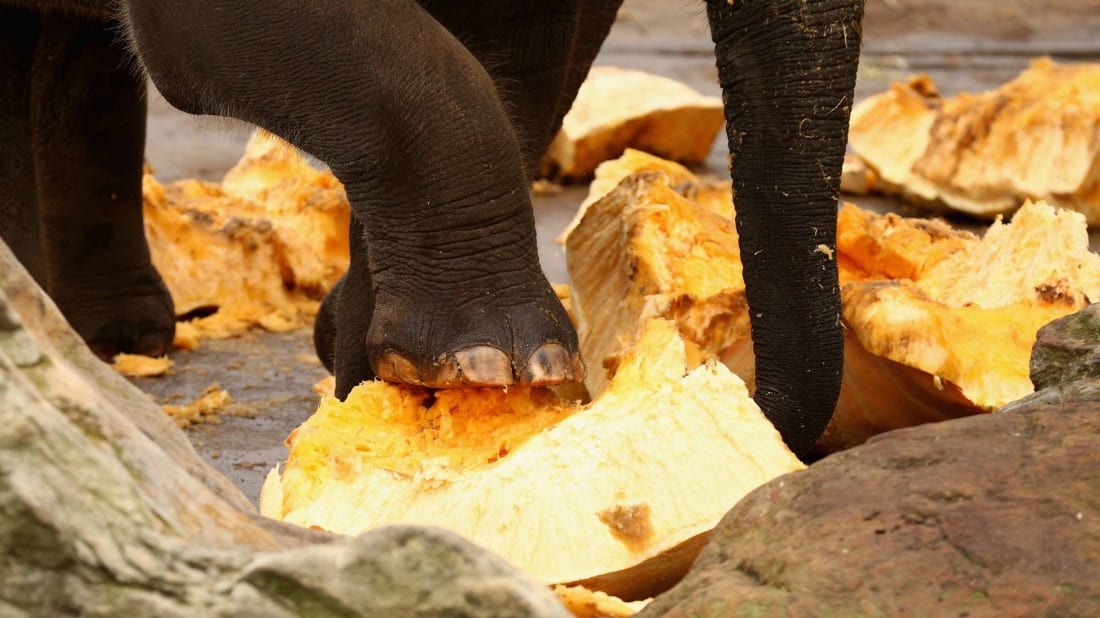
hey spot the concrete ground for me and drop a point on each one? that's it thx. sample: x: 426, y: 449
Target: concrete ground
x: 965, y: 45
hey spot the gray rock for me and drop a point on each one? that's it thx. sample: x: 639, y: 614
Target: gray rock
x: 992, y: 515
x: 1067, y: 349
x: 414, y: 571
x: 1065, y: 361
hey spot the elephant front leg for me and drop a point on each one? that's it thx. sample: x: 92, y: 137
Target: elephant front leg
x: 87, y: 110
x: 445, y: 287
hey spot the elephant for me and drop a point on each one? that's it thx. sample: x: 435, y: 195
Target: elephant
x: 433, y: 114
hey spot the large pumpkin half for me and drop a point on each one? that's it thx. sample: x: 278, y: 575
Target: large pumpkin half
x: 616, y: 495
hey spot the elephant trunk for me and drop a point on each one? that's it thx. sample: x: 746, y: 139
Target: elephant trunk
x: 787, y: 70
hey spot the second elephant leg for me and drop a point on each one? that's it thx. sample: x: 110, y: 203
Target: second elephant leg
x: 88, y: 116
x: 18, y: 194
x: 538, y: 54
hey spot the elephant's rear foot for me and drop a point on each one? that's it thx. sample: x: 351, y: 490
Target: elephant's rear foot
x: 120, y: 312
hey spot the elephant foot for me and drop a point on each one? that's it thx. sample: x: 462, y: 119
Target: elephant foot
x: 135, y: 317
x: 493, y: 342
x: 520, y: 335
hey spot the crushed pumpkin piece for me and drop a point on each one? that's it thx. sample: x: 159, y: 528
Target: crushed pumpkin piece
x: 1036, y: 137
x: 139, y: 366
x: 961, y: 311
x: 645, y: 251
x: 585, y: 603
x: 187, y: 337
x: 713, y: 193
x: 259, y: 249
x: 613, y: 476
x: 212, y: 401
x: 619, y: 108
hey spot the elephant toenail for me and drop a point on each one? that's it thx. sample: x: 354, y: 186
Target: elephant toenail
x: 580, y: 372
x: 484, y: 365
x: 393, y: 367
x: 153, y: 344
x: 550, y: 364
x: 449, y: 375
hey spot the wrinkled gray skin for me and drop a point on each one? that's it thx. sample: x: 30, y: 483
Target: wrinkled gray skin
x: 433, y: 114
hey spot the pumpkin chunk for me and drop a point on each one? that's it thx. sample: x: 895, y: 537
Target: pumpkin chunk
x: 262, y: 247
x: 138, y: 365
x: 619, y: 108
x: 616, y: 495
x: 962, y: 311
x: 645, y: 251
x: 1036, y: 137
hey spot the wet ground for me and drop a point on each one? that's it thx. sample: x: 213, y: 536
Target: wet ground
x: 965, y: 45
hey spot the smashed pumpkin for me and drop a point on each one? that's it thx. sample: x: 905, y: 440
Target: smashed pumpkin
x: 962, y: 312
x: 646, y: 251
x: 617, y: 495
x: 939, y: 323
x: 1036, y: 137
x: 712, y: 193
x: 585, y: 603
x: 619, y: 108
x: 262, y: 247
x: 140, y: 366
